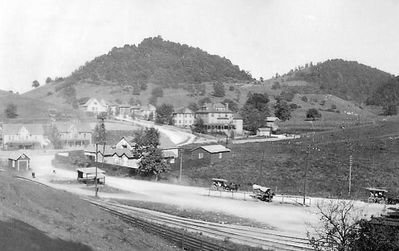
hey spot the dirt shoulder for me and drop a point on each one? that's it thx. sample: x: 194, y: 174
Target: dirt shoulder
x: 62, y: 220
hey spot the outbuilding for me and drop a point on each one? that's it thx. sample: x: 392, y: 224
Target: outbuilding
x: 209, y: 153
x: 19, y: 161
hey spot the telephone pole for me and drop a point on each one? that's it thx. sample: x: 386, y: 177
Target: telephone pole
x: 181, y: 165
x: 306, y: 174
x: 350, y: 175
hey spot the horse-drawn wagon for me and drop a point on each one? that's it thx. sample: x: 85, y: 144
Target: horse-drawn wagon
x: 262, y: 193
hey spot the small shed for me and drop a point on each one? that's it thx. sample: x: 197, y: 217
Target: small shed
x: 209, y: 153
x: 264, y: 131
x: 19, y: 161
x: 88, y: 174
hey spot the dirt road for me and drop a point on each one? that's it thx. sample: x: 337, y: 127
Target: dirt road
x: 281, y: 217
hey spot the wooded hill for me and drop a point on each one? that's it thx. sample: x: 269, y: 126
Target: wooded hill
x: 161, y: 62
x: 348, y: 80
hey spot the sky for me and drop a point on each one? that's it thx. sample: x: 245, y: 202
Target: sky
x: 52, y: 38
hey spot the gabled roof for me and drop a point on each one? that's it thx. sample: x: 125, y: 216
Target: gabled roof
x: 214, y: 148
x: 184, y: 110
x: 169, y: 154
x: 13, y: 129
x: 65, y: 126
x: 214, y: 108
x: 17, y: 155
x: 109, y: 151
x: 90, y: 170
x: 272, y: 119
x: 165, y: 143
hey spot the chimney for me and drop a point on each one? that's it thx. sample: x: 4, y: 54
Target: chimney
x: 227, y: 106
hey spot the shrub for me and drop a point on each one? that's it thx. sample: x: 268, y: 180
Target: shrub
x: 304, y: 99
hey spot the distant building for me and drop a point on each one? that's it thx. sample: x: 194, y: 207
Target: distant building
x: 23, y: 136
x: 124, y: 111
x: 148, y: 111
x: 264, y: 131
x: 210, y: 153
x: 74, y: 134
x: 114, y: 156
x: 183, y: 117
x: 271, y: 122
x: 95, y: 106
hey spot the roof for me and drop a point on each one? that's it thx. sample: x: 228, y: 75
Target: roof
x: 261, y: 129
x: 65, y: 126
x: 129, y: 139
x: 272, y: 119
x: 184, y: 110
x: 12, y: 129
x: 90, y: 170
x: 214, y: 148
x: 169, y: 154
x: 110, y: 151
x: 165, y: 143
x: 237, y: 116
x: 214, y: 108
x: 376, y: 189
x: 219, y: 180
x: 261, y: 188
x: 17, y: 155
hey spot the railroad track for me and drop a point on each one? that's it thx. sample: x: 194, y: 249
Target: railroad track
x: 256, y: 237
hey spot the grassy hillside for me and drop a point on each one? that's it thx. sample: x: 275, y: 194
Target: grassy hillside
x: 31, y: 109
x: 349, y: 80
x: 282, y: 164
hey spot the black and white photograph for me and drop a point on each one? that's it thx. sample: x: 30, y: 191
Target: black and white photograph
x: 204, y: 125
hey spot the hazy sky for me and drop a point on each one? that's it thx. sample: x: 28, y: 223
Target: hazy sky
x: 44, y: 38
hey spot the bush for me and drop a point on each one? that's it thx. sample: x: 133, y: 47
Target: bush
x: 276, y: 85
x: 333, y: 107
x: 304, y: 99
x: 293, y: 106
x: 313, y: 114
x: 231, y: 88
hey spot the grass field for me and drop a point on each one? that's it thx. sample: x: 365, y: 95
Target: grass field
x: 281, y: 164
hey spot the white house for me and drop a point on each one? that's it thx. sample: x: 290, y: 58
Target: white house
x: 23, y: 136
x: 183, y: 117
x: 126, y: 143
x: 74, y: 134
x: 95, y: 106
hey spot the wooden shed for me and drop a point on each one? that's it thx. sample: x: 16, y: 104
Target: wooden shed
x: 88, y: 174
x: 209, y: 153
x: 19, y: 161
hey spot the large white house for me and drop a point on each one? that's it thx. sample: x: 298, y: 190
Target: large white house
x: 23, y: 136
x: 74, y: 134
x: 183, y: 117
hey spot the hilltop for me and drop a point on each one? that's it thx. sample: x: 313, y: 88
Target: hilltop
x: 348, y: 80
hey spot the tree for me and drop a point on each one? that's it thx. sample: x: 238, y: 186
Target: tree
x: 390, y: 109
x: 54, y: 136
x: 338, y: 226
x: 147, y: 138
x: 313, y: 114
x: 203, y: 101
x: 232, y: 105
x: 276, y: 85
x: 100, y: 134
x: 199, y: 126
x: 164, y: 114
x: 35, y: 84
x: 143, y: 86
x: 282, y: 110
x: 255, y: 111
x: 11, y: 111
x: 157, y: 92
x: 218, y: 90
x: 48, y: 80
x: 152, y: 163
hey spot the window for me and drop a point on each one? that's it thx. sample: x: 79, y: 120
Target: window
x: 200, y: 155
x: 220, y: 155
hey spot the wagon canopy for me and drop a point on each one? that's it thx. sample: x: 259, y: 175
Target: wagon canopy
x: 261, y: 188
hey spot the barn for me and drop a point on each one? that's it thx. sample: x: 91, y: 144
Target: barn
x: 19, y: 161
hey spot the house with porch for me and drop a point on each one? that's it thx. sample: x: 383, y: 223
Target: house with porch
x: 74, y: 134
x: 23, y: 136
x: 119, y: 157
x: 95, y: 106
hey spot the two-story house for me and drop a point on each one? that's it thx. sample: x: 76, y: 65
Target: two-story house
x: 74, y: 134
x: 219, y: 118
x: 23, y: 136
x: 95, y: 106
x: 183, y: 117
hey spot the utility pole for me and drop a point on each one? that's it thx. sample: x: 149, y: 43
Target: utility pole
x: 306, y: 173
x: 350, y: 175
x: 95, y: 181
x: 181, y: 165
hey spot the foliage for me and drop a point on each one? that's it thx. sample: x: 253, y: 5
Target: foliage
x: 313, y: 114
x: 386, y: 96
x: 286, y: 95
x: 147, y: 138
x: 143, y: 86
x: 100, y: 134
x: 218, y: 89
x: 376, y: 237
x: 152, y: 163
x: 164, y: 114
x: 157, y: 92
x: 346, y: 79
x: 255, y: 111
x: 293, y: 106
x: 199, y: 126
x: 11, y: 111
x: 338, y: 226
x: 35, y: 84
x: 276, y: 85
x: 282, y: 110
x: 231, y: 88
x: 304, y: 99
x: 48, y: 80
x: 160, y: 62
x: 203, y: 101
x: 390, y: 109
x: 333, y: 106
x: 193, y: 107
x: 233, y: 106
x: 54, y: 136
x: 132, y: 101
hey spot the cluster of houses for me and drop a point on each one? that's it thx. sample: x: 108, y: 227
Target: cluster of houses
x: 98, y: 106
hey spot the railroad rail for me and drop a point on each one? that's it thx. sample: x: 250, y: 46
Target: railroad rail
x: 168, y: 226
